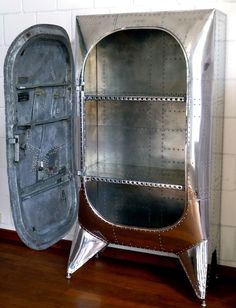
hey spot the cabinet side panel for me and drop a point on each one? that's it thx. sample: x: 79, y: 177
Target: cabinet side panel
x: 205, y: 124
x: 217, y: 122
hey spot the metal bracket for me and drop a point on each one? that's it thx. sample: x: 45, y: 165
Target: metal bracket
x: 16, y: 143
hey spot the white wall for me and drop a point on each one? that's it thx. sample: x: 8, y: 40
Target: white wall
x: 16, y: 15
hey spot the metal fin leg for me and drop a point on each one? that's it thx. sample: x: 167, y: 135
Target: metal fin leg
x: 194, y: 262
x: 84, y: 247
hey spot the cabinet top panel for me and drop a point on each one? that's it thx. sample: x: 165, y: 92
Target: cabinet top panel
x: 184, y: 25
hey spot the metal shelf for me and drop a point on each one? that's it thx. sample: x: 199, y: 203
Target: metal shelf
x: 136, y: 175
x: 135, y: 98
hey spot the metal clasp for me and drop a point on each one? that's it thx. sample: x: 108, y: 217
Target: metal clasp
x: 16, y: 143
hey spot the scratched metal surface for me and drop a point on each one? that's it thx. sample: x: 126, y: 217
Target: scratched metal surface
x: 38, y: 79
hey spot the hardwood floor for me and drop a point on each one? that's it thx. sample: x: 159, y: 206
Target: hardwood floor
x: 37, y: 279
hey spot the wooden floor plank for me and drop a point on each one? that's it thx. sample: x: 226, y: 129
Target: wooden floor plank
x: 37, y: 279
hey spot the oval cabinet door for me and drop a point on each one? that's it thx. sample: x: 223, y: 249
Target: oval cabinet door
x: 40, y: 103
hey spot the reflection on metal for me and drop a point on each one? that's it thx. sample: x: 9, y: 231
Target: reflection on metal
x: 152, y: 118
x: 194, y: 262
x: 83, y: 248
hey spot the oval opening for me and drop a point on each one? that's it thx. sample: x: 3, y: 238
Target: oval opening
x: 134, y: 136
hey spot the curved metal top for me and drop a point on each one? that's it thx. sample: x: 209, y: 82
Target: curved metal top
x: 186, y: 26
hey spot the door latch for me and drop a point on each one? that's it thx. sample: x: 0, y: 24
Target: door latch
x: 15, y: 142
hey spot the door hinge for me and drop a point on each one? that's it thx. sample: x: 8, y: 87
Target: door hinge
x: 15, y: 142
x: 80, y: 87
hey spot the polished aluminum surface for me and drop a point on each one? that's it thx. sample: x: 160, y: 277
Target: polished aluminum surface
x: 137, y: 134
x: 83, y: 248
x: 194, y: 262
x: 199, y: 34
x: 133, y: 68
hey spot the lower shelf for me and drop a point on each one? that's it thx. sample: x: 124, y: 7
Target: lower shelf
x: 136, y: 175
x: 136, y: 206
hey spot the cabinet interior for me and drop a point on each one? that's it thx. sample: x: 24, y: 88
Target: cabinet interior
x: 135, y: 128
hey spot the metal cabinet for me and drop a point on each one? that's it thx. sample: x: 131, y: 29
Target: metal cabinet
x: 129, y: 135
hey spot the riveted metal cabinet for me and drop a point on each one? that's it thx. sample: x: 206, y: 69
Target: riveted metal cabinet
x: 131, y: 131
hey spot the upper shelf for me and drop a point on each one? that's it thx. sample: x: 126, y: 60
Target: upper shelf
x: 135, y: 98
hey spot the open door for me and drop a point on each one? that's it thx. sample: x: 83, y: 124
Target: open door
x: 40, y: 104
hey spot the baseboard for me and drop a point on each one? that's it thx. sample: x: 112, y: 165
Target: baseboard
x: 125, y: 255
